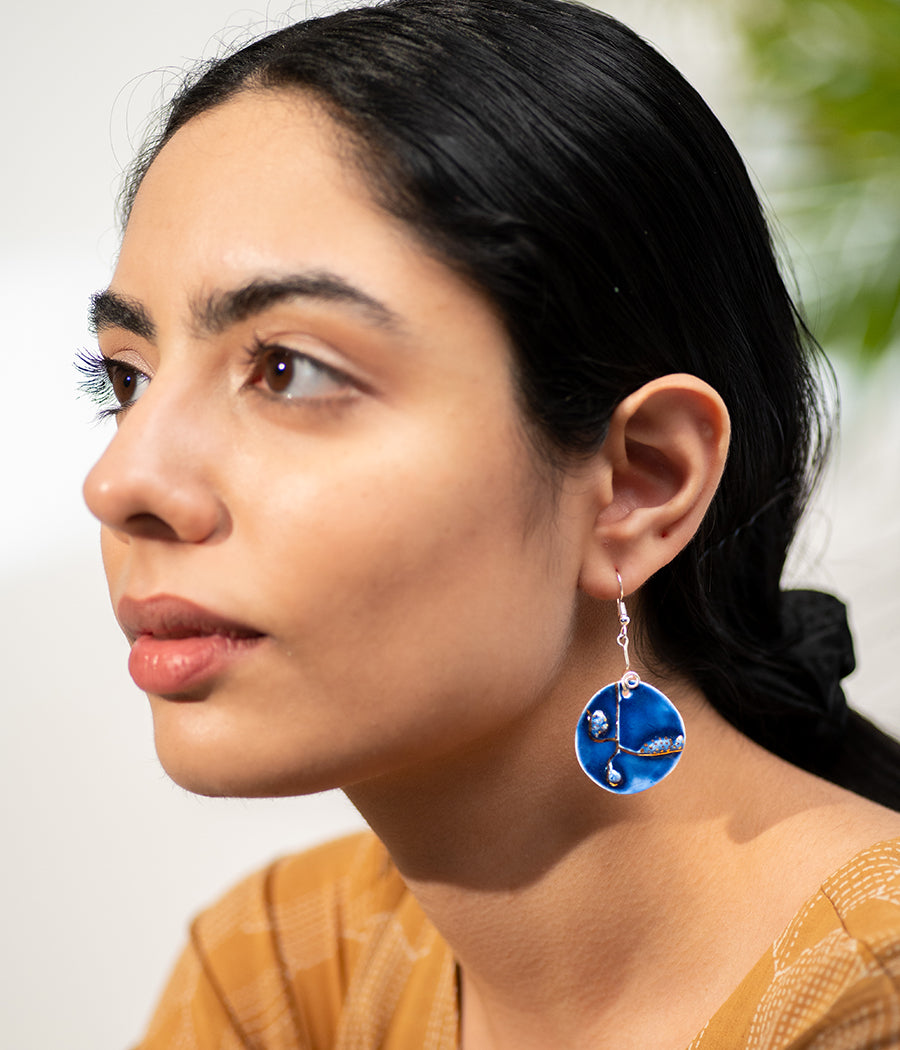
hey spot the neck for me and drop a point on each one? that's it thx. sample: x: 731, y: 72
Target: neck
x: 563, y: 902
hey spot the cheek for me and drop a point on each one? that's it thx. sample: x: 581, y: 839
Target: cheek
x: 420, y: 558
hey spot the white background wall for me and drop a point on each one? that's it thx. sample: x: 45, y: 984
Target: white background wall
x: 103, y: 859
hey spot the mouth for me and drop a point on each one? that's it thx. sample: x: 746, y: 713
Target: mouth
x: 177, y: 646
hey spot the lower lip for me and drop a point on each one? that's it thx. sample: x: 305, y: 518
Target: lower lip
x: 167, y: 666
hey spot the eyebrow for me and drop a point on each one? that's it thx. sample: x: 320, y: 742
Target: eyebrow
x: 214, y: 313
x: 114, y: 310
x: 220, y: 310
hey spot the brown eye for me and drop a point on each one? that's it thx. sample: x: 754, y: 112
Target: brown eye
x: 127, y: 383
x: 124, y: 383
x: 296, y: 376
x: 278, y: 371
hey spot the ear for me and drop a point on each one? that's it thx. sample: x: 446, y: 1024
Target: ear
x: 661, y: 463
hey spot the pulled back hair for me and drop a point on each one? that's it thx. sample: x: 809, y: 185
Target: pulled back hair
x: 550, y: 155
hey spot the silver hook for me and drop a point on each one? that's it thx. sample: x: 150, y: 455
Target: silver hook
x: 630, y: 679
x: 624, y: 621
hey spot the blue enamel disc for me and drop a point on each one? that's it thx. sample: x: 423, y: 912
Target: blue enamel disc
x: 627, y: 744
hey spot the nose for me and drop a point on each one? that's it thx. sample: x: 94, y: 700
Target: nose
x: 157, y: 477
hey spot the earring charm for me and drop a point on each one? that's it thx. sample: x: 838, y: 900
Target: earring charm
x: 630, y: 735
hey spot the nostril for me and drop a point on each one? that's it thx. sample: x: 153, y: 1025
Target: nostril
x: 150, y: 527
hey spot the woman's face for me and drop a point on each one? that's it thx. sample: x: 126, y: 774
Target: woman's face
x: 323, y: 527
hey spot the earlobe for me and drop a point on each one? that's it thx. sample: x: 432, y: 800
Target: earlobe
x: 665, y: 450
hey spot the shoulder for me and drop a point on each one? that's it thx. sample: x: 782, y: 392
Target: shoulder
x: 832, y: 979
x: 296, y: 952
x: 294, y: 934
x: 837, y: 965
x: 863, y: 941
x: 856, y: 910
x: 848, y: 933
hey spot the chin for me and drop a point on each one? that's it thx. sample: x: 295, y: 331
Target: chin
x: 219, y: 769
x: 213, y: 781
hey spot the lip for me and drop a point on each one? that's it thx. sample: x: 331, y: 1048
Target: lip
x: 177, y: 645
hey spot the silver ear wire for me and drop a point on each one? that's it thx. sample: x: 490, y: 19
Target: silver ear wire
x: 630, y: 679
x: 624, y: 621
x: 644, y: 736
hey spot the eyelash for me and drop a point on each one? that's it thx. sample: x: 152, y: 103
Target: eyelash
x: 99, y: 374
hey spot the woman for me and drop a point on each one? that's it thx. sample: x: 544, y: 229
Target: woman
x: 462, y: 408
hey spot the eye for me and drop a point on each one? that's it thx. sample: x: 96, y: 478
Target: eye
x: 111, y: 384
x: 127, y: 383
x: 293, y: 375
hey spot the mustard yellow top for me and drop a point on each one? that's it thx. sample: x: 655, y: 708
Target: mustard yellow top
x: 328, y: 950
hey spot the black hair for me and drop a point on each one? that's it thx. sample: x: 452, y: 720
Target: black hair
x: 567, y: 169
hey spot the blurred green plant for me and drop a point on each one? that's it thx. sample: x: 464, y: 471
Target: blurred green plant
x: 833, y: 66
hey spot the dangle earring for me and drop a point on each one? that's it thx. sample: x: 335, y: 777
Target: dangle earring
x: 630, y: 735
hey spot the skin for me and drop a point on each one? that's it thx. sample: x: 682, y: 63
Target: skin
x: 437, y: 608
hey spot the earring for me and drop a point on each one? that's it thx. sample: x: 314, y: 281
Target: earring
x: 630, y: 735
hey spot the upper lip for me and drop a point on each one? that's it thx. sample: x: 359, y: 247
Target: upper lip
x: 166, y: 616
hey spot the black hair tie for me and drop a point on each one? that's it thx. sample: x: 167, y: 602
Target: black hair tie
x: 818, y: 643
x: 801, y: 710
x: 802, y: 713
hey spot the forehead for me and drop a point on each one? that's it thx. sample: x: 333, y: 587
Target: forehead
x: 260, y: 153
x: 284, y: 125
x: 265, y: 185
